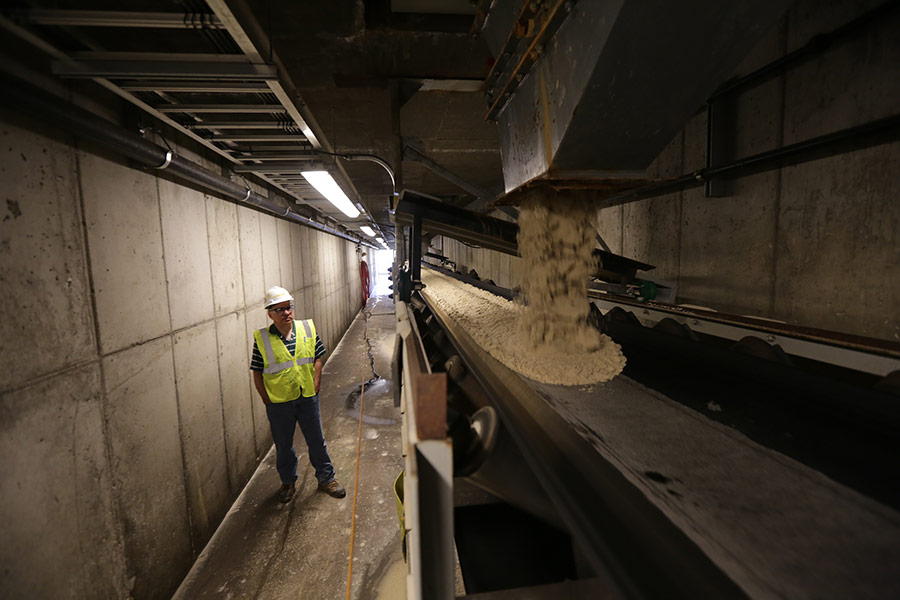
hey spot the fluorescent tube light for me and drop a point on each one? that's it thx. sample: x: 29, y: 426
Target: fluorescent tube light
x: 328, y: 187
x: 380, y: 240
x: 367, y: 230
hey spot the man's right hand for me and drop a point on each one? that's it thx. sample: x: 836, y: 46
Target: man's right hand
x: 260, y: 387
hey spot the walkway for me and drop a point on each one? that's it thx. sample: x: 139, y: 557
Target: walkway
x: 268, y: 550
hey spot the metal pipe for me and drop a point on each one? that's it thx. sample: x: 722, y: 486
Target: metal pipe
x: 814, y: 47
x: 377, y: 160
x: 374, y: 159
x: 866, y: 135
x: 862, y: 136
x: 46, y: 108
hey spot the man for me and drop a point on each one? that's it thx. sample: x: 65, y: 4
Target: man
x: 364, y: 276
x: 287, y: 370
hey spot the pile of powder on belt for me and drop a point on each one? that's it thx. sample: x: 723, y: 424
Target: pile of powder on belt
x: 494, y: 323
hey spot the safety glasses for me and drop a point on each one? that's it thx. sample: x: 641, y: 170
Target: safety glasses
x: 282, y: 309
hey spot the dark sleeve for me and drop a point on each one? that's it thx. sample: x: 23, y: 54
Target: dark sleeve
x: 256, y: 359
x: 320, y: 347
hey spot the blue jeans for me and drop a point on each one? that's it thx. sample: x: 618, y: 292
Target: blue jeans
x: 283, y: 419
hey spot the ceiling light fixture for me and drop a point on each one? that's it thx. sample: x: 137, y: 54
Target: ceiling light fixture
x: 328, y: 187
x: 379, y: 240
x: 367, y: 230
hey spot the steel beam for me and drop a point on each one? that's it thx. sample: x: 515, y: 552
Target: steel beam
x: 717, y: 144
x: 236, y: 125
x: 264, y: 156
x: 273, y: 168
x: 172, y: 67
x: 410, y: 153
x: 272, y: 151
x: 231, y: 23
x: 415, y: 250
x: 258, y: 138
x: 111, y: 18
x: 197, y: 87
x: 194, y: 57
x: 448, y: 85
x: 442, y: 219
x: 221, y: 108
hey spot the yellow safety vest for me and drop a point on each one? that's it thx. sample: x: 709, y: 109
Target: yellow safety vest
x: 288, y: 377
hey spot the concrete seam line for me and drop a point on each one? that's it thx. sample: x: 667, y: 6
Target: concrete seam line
x: 209, y: 254
x: 118, y: 527
x: 171, y: 335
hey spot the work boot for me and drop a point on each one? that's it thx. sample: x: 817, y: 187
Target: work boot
x: 286, y: 492
x: 333, y: 489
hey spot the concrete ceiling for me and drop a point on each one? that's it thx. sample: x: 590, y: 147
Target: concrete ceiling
x: 373, y: 75
x: 330, y: 80
x: 361, y: 66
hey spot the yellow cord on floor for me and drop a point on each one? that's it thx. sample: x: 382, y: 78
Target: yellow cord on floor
x: 356, y: 482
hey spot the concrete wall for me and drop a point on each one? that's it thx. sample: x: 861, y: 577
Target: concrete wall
x: 129, y: 421
x: 503, y: 269
x: 816, y: 244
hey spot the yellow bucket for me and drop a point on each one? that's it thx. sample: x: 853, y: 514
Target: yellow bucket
x: 398, y: 496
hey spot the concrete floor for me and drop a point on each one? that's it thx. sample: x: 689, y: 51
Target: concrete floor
x: 265, y: 549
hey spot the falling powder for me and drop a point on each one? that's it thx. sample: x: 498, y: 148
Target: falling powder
x: 555, y: 242
x: 549, y: 338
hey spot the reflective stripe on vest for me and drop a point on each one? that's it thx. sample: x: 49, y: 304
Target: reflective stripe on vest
x: 294, y: 375
x: 270, y: 353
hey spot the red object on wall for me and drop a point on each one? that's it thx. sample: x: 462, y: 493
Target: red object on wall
x: 364, y: 279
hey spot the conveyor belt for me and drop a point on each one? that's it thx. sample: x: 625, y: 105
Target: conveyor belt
x: 666, y: 502
x: 622, y: 534
x: 867, y: 355
x: 836, y: 414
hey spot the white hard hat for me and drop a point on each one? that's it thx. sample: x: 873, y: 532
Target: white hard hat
x: 277, y: 295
